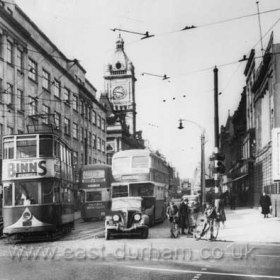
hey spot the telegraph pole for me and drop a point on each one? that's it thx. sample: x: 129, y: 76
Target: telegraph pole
x: 202, y: 171
x: 216, y: 108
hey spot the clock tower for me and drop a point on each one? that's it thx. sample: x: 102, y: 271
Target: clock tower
x: 120, y: 85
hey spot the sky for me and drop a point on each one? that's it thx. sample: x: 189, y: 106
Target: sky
x: 81, y: 29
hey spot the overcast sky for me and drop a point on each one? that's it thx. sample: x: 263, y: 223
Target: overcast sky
x: 81, y: 29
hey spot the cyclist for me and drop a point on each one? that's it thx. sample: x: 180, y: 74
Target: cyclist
x: 210, y: 216
x: 172, y: 215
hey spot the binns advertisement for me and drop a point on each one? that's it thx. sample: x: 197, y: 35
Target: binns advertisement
x: 30, y: 168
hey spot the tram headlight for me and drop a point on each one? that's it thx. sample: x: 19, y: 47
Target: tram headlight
x: 137, y: 217
x: 26, y: 216
x: 116, y: 218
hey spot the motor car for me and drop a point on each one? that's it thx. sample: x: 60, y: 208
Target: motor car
x: 127, y: 218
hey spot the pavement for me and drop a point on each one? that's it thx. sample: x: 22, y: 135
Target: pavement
x: 248, y: 225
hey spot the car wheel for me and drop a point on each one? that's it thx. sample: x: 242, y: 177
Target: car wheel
x: 107, y: 235
x: 145, y: 233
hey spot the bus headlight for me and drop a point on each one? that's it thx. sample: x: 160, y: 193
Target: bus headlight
x: 137, y: 217
x: 116, y: 218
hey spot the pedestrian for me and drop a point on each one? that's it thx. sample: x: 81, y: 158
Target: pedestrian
x: 265, y: 204
x: 210, y: 216
x: 220, y: 209
x: 172, y: 215
x: 184, y: 216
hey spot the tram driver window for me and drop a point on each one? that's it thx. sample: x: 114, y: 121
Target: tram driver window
x: 27, y: 193
x: 8, y: 195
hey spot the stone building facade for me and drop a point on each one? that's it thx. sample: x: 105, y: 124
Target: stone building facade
x: 41, y: 87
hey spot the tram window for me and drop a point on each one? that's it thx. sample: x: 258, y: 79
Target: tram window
x: 9, y: 150
x: 93, y: 196
x: 46, y: 146
x: 140, y: 162
x: 8, y: 195
x: 120, y: 191
x: 47, y: 192
x: 26, y: 148
x: 57, y: 149
x: 27, y: 193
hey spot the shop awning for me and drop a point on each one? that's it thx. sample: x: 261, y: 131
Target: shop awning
x: 235, y: 179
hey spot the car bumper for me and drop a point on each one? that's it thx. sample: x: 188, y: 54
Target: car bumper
x: 119, y: 230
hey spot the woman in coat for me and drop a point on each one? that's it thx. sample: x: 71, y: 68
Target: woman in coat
x: 265, y: 203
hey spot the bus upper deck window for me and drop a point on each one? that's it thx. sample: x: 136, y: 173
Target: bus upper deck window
x: 26, y: 148
x: 46, y: 146
x: 9, y: 150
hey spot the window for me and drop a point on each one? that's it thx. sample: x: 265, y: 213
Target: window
x: 46, y: 80
x: 66, y: 126
x: 26, y: 148
x: 9, y: 150
x: 103, y: 146
x: 56, y: 88
x: 46, y: 112
x: 27, y: 193
x: 33, y: 104
x: 89, y: 138
x: 8, y: 195
x: 33, y: 71
x: 10, y: 130
x: 98, y: 144
x: 93, y: 117
x: 120, y: 191
x: 45, y: 146
x: 82, y: 107
x: 75, y: 130
x: 75, y: 102
x: 103, y: 125
x: 86, y: 111
x: 10, y: 97
x: 19, y: 59
x: 75, y: 157
x: 93, y: 196
x: 57, y: 120
x: 1, y: 90
x: 20, y: 97
x: 9, y: 52
x: 82, y: 134
x: 66, y: 96
x: 99, y: 121
x: 94, y: 141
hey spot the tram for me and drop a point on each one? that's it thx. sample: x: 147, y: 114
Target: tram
x: 144, y: 174
x: 95, y: 191
x: 37, y: 177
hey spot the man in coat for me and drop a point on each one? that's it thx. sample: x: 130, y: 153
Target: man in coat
x: 184, y: 216
x: 265, y: 203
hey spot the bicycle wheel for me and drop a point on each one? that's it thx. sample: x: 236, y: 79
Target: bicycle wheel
x: 216, y: 227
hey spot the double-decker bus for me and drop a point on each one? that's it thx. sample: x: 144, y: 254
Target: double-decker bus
x: 37, y: 177
x: 145, y: 174
x: 95, y: 191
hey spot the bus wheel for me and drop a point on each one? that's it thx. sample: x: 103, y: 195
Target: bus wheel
x: 107, y: 235
x: 145, y: 233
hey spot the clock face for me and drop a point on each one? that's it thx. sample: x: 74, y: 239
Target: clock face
x: 119, y: 93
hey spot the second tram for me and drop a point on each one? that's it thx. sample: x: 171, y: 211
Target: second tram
x: 95, y: 191
x: 37, y: 177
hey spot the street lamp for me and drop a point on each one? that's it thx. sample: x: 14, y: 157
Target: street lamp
x: 202, y: 178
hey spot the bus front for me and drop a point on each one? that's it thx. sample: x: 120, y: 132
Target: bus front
x: 95, y: 191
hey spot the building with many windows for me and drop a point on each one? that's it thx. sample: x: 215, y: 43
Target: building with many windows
x: 41, y: 87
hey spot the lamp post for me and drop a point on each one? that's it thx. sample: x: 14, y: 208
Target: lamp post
x: 202, y: 174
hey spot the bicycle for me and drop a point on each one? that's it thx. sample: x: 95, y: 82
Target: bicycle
x: 202, y: 228
x: 174, y: 227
